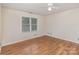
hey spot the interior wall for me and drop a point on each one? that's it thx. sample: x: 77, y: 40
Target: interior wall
x: 0, y: 26
x: 64, y: 25
x: 12, y: 26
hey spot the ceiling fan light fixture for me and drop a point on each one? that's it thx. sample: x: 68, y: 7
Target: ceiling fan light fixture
x: 49, y: 8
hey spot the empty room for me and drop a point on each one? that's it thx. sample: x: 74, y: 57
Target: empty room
x: 39, y: 28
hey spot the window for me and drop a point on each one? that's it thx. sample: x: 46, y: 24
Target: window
x: 33, y: 24
x: 25, y: 24
x: 29, y: 24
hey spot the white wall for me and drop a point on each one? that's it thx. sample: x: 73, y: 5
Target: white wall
x: 12, y: 26
x: 0, y: 26
x: 64, y: 25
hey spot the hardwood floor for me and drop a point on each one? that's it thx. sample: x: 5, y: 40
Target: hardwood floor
x: 44, y: 45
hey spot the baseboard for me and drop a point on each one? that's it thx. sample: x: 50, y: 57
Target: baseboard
x: 40, y: 36
x: 66, y: 39
x: 22, y: 40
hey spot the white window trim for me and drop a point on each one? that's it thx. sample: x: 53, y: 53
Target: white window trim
x: 29, y: 24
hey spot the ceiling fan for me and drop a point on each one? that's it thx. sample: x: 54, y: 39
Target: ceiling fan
x: 51, y: 6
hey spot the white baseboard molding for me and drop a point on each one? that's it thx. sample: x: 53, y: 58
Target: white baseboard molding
x: 39, y: 36
x: 20, y: 40
x: 63, y: 38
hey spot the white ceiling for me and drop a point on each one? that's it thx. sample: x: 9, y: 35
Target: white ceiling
x: 41, y: 8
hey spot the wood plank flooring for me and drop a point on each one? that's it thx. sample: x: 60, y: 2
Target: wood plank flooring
x: 44, y: 45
